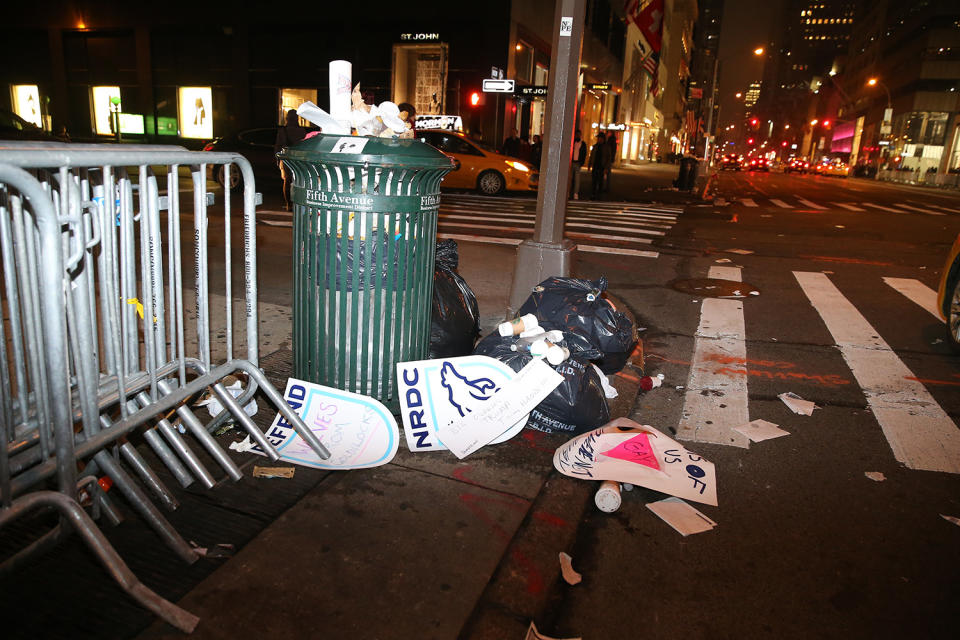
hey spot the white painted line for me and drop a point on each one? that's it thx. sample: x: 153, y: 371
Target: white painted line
x: 482, y: 239
x: 781, y: 203
x: 920, y: 433
x: 595, y: 236
x: 847, y: 205
x: 748, y: 202
x: 715, y: 402
x: 918, y: 292
x: 618, y: 251
x: 625, y: 229
x: 927, y: 211
x: 807, y: 203
x: 876, y: 206
x: 277, y: 223
x: 492, y: 227
x: 275, y: 212
x: 485, y: 218
x: 937, y: 206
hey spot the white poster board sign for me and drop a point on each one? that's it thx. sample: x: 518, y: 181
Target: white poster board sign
x: 626, y: 451
x: 358, y: 431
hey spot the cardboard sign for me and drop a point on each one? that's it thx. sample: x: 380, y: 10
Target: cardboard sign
x: 358, y: 431
x: 681, y: 473
x: 637, y: 449
x: 440, y: 392
x: 513, y: 402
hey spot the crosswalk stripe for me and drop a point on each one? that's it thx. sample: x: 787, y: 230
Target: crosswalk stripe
x: 484, y: 239
x: 917, y: 292
x: 877, y: 206
x: 748, y: 202
x: 927, y: 211
x: 781, y: 203
x: 920, y: 433
x: 600, y: 236
x: 847, y: 205
x: 812, y: 205
x: 492, y: 227
x: 715, y: 403
x: 938, y: 206
x: 618, y: 251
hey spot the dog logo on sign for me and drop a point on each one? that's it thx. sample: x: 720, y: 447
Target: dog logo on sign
x: 461, y: 390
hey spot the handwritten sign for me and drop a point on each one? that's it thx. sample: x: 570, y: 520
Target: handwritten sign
x: 442, y: 391
x: 358, y: 431
x: 511, y: 403
x: 637, y: 449
x: 679, y: 472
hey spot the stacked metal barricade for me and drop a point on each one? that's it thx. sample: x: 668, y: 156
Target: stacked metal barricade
x: 106, y: 331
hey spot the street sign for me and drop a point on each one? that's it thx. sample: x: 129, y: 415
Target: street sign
x: 496, y: 73
x: 498, y: 86
x: 534, y: 90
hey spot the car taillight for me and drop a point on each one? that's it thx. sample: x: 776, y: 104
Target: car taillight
x: 208, y: 147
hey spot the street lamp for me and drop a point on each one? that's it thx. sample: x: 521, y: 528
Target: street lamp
x: 872, y: 82
x: 713, y: 90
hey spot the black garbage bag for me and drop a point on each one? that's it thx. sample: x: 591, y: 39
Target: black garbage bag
x: 371, y: 260
x: 587, y: 318
x: 456, y: 313
x: 576, y: 406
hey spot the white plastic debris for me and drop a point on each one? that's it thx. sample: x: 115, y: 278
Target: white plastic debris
x: 876, y: 476
x: 233, y: 385
x: 608, y: 389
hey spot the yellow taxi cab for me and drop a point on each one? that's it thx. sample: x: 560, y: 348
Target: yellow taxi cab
x: 833, y: 168
x: 948, y: 294
x: 479, y: 166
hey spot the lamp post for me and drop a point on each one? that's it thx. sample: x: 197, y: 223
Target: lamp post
x: 713, y: 91
x: 886, y: 125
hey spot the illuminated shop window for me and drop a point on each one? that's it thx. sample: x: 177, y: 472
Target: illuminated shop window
x: 195, y: 107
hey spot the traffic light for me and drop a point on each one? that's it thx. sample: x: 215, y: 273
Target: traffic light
x: 750, y: 141
x: 475, y: 98
x: 754, y: 121
x: 826, y: 123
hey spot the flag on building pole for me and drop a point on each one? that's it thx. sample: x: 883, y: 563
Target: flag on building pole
x: 649, y: 20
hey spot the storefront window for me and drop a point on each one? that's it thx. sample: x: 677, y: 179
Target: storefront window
x: 195, y: 112
x: 524, y: 62
x: 420, y: 76
x: 293, y: 98
x: 106, y: 103
x: 26, y: 103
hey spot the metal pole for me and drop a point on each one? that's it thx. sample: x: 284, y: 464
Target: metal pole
x: 548, y: 252
x: 713, y: 92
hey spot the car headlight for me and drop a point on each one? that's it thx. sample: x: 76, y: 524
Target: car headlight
x: 519, y: 166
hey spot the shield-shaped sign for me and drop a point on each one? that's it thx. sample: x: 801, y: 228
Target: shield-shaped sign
x: 626, y: 451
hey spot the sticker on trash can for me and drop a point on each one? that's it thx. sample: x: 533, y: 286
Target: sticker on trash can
x: 349, y: 145
x: 440, y: 392
x: 358, y: 431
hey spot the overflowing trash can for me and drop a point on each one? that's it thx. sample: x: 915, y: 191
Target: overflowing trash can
x: 364, y: 237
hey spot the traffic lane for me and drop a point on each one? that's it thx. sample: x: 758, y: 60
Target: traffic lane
x: 805, y: 544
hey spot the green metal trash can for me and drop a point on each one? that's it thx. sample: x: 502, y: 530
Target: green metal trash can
x: 364, y: 239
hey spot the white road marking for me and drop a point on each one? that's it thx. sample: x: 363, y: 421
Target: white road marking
x: 938, y: 206
x: 812, y: 205
x: 714, y: 402
x: 748, y: 202
x: 876, y: 206
x: 620, y: 251
x: 847, y: 205
x: 918, y: 292
x: 781, y: 203
x: 596, y: 236
x: 927, y: 211
x: 277, y: 223
x: 483, y: 239
x: 920, y: 433
x: 625, y: 229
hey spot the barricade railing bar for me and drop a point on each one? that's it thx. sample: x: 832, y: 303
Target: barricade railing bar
x: 98, y: 343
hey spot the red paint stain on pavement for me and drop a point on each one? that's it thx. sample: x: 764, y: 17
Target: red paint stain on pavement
x: 846, y: 260
x: 829, y: 380
x: 952, y: 383
x: 530, y: 438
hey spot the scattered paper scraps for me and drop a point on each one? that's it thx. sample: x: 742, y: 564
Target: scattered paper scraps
x: 760, y: 430
x: 723, y: 261
x: 566, y: 568
x: 358, y: 431
x: 511, y: 403
x: 797, y: 404
x: 681, y: 516
x: 955, y: 521
x: 223, y: 550
x: 876, y: 476
x: 742, y: 252
x: 534, y: 634
x: 273, y: 472
x: 680, y: 472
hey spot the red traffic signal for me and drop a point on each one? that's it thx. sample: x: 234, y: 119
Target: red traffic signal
x: 754, y: 121
x: 826, y: 123
x: 749, y: 140
x: 474, y: 98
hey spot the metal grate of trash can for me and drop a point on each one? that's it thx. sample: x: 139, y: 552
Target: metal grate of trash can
x: 364, y: 238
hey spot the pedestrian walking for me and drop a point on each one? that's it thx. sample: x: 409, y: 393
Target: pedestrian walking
x: 610, y: 147
x: 289, y: 134
x: 579, y: 157
x: 511, y: 146
x: 598, y: 165
x: 536, y: 151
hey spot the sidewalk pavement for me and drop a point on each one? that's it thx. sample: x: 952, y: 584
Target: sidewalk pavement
x: 648, y: 182
x: 426, y: 546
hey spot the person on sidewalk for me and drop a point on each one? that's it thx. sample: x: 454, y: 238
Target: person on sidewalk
x: 289, y: 134
x: 536, y: 151
x: 610, y: 147
x: 579, y: 159
x: 511, y: 146
x: 598, y: 166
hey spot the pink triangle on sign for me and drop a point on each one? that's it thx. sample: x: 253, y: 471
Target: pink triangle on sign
x: 637, y: 449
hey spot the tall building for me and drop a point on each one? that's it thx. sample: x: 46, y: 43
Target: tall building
x: 704, y: 69
x: 902, y: 81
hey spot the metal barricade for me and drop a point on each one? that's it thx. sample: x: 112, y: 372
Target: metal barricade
x: 98, y: 339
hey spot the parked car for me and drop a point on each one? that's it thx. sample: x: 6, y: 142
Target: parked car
x: 732, y: 162
x: 256, y: 145
x: 757, y: 164
x: 796, y: 165
x: 948, y: 294
x: 480, y: 167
